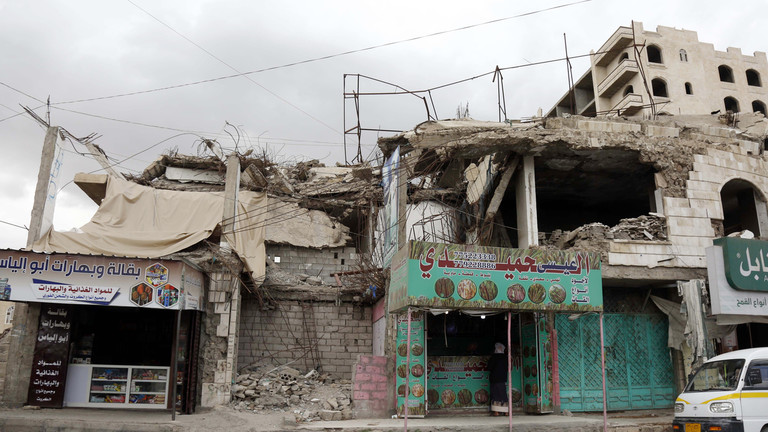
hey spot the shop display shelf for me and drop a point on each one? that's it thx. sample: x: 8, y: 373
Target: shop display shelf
x: 120, y: 386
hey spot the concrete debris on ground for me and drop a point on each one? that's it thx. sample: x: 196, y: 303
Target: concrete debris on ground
x: 304, y: 397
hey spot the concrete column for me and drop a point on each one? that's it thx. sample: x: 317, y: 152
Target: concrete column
x: 46, y: 190
x: 525, y: 191
x: 231, y: 188
x: 224, y: 296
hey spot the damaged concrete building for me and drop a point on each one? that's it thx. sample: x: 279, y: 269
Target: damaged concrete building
x: 281, y: 285
x: 312, y: 312
x: 648, y: 197
x: 639, y: 72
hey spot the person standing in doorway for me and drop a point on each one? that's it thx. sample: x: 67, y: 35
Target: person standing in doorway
x: 498, y: 366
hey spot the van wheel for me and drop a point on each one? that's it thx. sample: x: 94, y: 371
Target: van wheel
x: 764, y: 429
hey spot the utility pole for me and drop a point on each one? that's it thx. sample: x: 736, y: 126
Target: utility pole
x: 45, y: 193
x: 48, y: 175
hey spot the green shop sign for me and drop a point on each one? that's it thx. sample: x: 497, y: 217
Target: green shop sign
x: 745, y: 263
x: 453, y: 276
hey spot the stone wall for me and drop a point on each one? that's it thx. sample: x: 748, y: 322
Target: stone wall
x: 313, y: 262
x: 690, y: 219
x: 308, y: 335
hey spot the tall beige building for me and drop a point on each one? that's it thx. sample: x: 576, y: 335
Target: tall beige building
x: 668, y: 71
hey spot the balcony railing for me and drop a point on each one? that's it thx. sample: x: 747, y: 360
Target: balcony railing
x: 623, y: 72
x: 613, y: 46
x: 628, y: 105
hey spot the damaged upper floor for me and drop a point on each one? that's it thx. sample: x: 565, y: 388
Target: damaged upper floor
x: 646, y: 194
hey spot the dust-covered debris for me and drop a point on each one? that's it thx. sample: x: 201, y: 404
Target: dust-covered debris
x: 594, y: 236
x: 306, y: 396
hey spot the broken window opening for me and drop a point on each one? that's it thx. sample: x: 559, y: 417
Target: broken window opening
x: 629, y: 90
x: 688, y: 88
x: 575, y: 188
x: 743, y: 208
x: 654, y: 54
x: 683, y: 56
x: 659, y: 87
x: 726, y: 73
x: 758, y: 106
x: 753, y: 78
x: 731, y: 104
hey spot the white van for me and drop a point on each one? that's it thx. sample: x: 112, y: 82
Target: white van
x: 728, y: 393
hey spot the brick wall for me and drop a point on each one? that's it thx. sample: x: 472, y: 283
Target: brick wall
x: 323, y: 263
x: 339, y: 333
x: 369, y: 387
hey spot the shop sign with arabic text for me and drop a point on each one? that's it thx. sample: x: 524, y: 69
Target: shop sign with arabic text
x: 97, y: 280
x: 746, y: 263
x: 453, y: 276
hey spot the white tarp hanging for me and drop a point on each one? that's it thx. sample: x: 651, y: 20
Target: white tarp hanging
x: 695, y: 329
x: 139, y: 221
x: 677, y: 321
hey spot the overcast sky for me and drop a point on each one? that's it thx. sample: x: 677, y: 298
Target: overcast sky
x: 75, y: 50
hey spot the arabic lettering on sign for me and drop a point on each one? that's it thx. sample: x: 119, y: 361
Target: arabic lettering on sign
x: 15, y: 265
x: 67, y: 267
x: 752, y: 302
x: 520, y: 265
x: 59, y: 291
x: 745, y: 263
x: 747, y: 268
x: 50, y: 357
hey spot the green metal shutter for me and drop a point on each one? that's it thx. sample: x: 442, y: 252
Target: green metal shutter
x: 638, y: 365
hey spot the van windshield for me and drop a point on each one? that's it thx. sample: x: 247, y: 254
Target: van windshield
x: 719, y: 375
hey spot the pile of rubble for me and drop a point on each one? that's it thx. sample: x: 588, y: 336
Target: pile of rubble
x: 592, y: 236
x: 651, y: 227
x: 309, y: 397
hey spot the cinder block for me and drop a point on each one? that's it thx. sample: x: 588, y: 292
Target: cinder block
x: 361, y: 395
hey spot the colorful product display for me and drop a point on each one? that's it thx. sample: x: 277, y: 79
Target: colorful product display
x: 134, y: 385
x: 463, y: 382
x: 537, y: 366
x: 411, y: 376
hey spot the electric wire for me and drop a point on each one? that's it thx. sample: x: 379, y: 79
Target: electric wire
x: 14, y: 225
x: 316, y: 59
x: 236, y: 70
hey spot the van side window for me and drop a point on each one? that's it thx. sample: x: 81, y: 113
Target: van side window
x: 757, y: 375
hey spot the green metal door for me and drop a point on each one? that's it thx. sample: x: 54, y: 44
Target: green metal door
x: 637, y: 362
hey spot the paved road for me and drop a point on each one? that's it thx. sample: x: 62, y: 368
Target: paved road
x: 228, y: 420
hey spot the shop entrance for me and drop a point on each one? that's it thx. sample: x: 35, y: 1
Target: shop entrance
x: 459, y: 346
x: 124, y: 357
